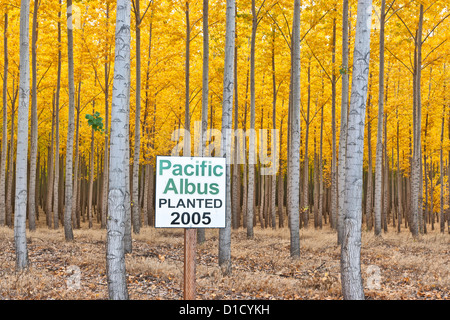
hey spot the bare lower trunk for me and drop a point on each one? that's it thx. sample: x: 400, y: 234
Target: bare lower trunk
x: 117, y: 195
x: 91, y: 179
x: 252, y: 138
x: 227, y: 118
x: 20, y: 207
x: 343, y: 127
x: 136, y: 212
x: 294, y: 156
x: 5, y: 125
x: 352, y: 286
x: 68, y: 233
x: 34, y: 127
x: 379, y: 150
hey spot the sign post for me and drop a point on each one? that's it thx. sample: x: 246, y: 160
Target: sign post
x: 190, y: 194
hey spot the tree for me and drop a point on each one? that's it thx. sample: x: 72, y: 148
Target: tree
x: 352, y: 287
x: 34, y: 125
x: 379, y: 149
x: 68, y: 232
x: 205, y: 95
x: 20, y: 208
x: 294, y: 150
x: 96, y: 122
x: 5, y: 124
x: 252, y: 137
x: 225, y: 146
x: 136, y: 213
x: 343, y: 128
x: 115, y: 251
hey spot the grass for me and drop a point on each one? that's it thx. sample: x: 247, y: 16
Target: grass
x: 394, y: 266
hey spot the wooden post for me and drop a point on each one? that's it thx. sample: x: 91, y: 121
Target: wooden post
x: 190, y: 241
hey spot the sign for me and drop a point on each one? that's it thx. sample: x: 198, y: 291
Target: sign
x: 190, y: 192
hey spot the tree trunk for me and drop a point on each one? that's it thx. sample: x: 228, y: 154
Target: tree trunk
x: 379, y: 150
x: 75, y: 198
x: 105, y: 188
x: 34, y: 127
x: 294, y: 150
x: 416, y: 206
x: 91, y: 179
x: 321, y: 191
x: 281, y: 181
x: 5, y: 124
x: 334, y: 181
x: 227, y: 118
x: 117, y: 195
x: 9, y: 190
x: 20, y: 207
x: 273, y: 149
x: 441, y: 167
x: 68, y: 233
x: 352, y: 286
x: 252, y: 138
x: 236, y: 211
x: 136, y: 212
x: 399, y: 180
x: 305, y: 189
x: 369, y: 192
x: 343, y: 126
x: 205, y: 94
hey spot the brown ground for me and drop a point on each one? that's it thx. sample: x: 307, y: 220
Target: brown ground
x: 262, y: 268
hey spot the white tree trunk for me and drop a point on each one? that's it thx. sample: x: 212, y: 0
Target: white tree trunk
x: 136, y: 212
x: 225, y: 146
x: 416, y: 181
x: 252, y: 137
x: 343, y: 128
x: 379, y: 149
x: 352, y: 286
x: 5, y: 125
x: 34, y: 128
x: 205, y: 95
x: 117, y: 195
x: 68, y: 233
x: 294, y: 156
x: 20, y: 208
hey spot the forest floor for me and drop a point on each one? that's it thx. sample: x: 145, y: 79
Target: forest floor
x: 394, y: 266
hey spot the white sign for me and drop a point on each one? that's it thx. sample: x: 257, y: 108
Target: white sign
x: 190, y: 192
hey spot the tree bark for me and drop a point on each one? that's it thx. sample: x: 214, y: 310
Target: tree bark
x: 34, y: 126
x: 104, y: 202
x: 416, y: 206
x: 252, y: 138
x: 369, y: 192
x: 136, y: 212
x: 205, y: 94
x: 91, y: 179
x: 68, y: 232
x: 334, y: 181
x: 294, y: 150
x: 305, y: 207
x: 75, y: 198
x: 5, y: 124
x: 379, y: 150
x: 352, y: 286
x: 225, y: 146
x: 441, y: 169
x: 117, y: 195
x: 20, y: 207
x: 9, y: 190
x: 343, y: 126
